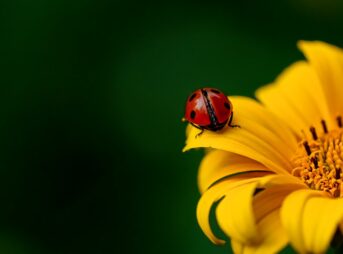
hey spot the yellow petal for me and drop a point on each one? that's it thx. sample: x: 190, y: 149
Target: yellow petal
x: 266, y: 207
x: 273, y: 235
x: 297, y: 98
x: 242, y: 143
x: 256, y: 139
x: 272, y: 180
x: 272, y: 197
x: 327, y: 61
x: 213, y: 195
x: 293, y: 218
x: 218, y: 164
x: 319, y: 227
x: 237, y: 213
x: 237, y: 247
x: 265, y: 124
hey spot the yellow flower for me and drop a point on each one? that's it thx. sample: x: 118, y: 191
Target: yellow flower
x: 277, y: 179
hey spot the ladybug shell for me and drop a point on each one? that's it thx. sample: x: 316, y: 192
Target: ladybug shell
x: 208, y: 108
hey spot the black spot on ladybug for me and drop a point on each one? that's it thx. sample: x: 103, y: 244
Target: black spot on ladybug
x: 193, y: 114
x: 205, y: 92
x: 215, y: 91
x: 192, y: 97
x: 227, y: 105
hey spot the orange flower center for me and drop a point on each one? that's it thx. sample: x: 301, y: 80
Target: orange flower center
x: 319, y: 161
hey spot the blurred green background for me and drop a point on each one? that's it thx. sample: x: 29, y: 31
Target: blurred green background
x: 92, y: 93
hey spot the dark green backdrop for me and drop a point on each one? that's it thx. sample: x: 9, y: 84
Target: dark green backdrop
x: 91, y: 97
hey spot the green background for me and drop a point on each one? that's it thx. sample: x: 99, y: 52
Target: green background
x: 91, y: 96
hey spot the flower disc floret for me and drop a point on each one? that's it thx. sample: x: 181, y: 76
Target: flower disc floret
x: 319, y: 161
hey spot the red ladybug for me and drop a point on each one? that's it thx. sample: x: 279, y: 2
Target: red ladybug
x: 210, y: 109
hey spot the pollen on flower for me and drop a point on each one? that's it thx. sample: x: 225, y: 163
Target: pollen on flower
x: 319, y: 160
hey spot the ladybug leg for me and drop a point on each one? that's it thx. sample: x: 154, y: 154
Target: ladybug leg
x: 201, y: 132
x: 198, y: 127
x: 230, y: 121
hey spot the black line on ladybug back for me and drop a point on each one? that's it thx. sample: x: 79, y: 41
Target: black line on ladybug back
x: 192, y: 97
x: 210, y: 110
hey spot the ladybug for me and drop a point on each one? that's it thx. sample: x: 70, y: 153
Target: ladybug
x: 210, y: 109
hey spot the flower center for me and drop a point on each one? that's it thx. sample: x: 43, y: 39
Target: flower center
x: 319, y: 160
